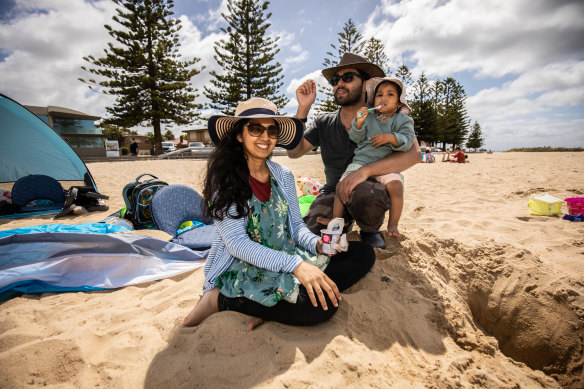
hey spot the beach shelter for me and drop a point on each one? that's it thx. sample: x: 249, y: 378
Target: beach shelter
x: 29, y: 146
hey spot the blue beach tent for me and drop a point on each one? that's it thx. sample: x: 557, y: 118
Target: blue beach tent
x: 29, y: 146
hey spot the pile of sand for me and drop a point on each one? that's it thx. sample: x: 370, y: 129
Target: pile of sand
x: 478, y: 294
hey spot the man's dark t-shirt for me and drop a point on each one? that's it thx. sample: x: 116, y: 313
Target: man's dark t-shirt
x: 337, y: 150
x: 134, y: 148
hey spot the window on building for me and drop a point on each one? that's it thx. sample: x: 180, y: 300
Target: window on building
x: 74, y: 126
x: 44, y: 118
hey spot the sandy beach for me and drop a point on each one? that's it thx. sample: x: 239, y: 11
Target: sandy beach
x: 479, y: 293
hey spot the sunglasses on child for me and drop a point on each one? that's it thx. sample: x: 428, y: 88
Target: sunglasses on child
x: 347, y: 77
x: 256, y: 130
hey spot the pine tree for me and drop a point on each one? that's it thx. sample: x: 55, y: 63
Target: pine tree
x: 450, y: 100
x: 349, y: 41
x: 374, y: 51
x: 168, y: 135
x: 247, y: 59
x: 404, y: 74
x: 423, y: 111
x: 475, y: 139
x: 143, y: 69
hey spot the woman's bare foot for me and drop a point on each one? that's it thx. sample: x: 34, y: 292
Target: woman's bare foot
x: 206, y: 306
x: 392, y: 231
x: 255, y: 323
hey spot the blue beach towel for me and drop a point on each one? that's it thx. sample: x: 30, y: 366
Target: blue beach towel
x: 38, y: 262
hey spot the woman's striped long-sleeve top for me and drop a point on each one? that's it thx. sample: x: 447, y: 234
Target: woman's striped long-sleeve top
x: 232, y: 240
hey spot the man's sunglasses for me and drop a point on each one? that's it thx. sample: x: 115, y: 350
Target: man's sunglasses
x: 256, y: 130
x: 347, y: 77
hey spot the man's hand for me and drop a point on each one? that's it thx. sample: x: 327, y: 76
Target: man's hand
x: 306, y: 95
x: 348, y: 184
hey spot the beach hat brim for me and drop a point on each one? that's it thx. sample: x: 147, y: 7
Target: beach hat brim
x: 372, y: 85
x: 289, y: 136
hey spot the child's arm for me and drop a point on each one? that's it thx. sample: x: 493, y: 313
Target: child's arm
x: 358, y: 132
x: 400, y: 140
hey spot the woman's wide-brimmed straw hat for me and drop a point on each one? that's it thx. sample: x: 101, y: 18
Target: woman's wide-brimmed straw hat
x: 354, y: 61
x: 291, y: 128
x: 371, y: 88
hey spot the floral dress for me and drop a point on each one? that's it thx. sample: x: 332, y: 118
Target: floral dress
x: 268, y: 226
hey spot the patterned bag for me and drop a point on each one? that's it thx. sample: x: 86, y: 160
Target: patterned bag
x: 138, y: 197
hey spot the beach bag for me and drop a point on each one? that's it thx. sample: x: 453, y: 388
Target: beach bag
x: 138, y: 198
x: 85, y: 197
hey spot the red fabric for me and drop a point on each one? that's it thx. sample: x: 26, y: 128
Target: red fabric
x: 261, y: 190
x: 459, y: 156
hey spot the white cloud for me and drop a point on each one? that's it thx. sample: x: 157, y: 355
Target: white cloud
x: 493, y: 38
x: 194, y: 44
x: 213, y: 18
x: 534, y: 92
x: 506, y: 134
x: 46, y: 49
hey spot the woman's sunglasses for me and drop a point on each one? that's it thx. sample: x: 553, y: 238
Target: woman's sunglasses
x: 256, y: 130
x: 347, y: 77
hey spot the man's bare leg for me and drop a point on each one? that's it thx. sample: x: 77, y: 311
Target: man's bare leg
x: 206, y: 306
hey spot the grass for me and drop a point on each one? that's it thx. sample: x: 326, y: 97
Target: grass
x: 546, y: 148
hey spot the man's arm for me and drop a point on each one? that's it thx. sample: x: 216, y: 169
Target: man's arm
x: 305, y: 94
x: 393, y: 163
x: 303, y: 147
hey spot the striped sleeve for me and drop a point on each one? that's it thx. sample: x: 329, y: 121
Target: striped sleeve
x: 239, y: 245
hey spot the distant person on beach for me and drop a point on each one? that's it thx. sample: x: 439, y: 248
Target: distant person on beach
x: 366, y: 200
x: 378, y: 133
x: 265, y: 262
x: 457, y: 157
x: 134, y: 147
x: 429, y: 156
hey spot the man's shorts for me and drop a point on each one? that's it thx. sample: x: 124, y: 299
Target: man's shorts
x: 366, y: 206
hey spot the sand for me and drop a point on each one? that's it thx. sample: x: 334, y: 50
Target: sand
x: 479, y: 294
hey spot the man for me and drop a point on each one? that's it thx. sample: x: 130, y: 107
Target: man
x: 134, y: 147
x: 458, y: 157
x: 366, y: 201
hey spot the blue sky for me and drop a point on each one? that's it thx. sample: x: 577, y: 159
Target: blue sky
x: 521, y: 62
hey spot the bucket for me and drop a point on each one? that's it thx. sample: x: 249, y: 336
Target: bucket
x: 575, y: 205
x: 544, y: 204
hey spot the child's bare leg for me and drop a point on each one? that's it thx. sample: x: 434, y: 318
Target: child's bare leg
x: 206, y: 306
x: 338, y: 210
x: 395, y: 190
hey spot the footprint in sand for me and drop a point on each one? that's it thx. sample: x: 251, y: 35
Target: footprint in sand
x: 417, y: 212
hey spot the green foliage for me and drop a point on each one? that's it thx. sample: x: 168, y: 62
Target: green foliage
x: 112, y: 132
x: 151, y: 138
x: 168, y: 135
x: 125, y: 151
x: 143, y: 70
x: 374, y: 51
x: 247, y: 58
x: 450, y: 105
x: 349, y: 41
x: 423, y: 111
x: 546, y: 149
x: 475, y: 139
x: 404, y: 74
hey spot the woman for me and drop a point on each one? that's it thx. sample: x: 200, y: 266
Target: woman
x: 264, y: 261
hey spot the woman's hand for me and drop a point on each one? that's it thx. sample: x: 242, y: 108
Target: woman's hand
x: 317, y: 284
x: 319, y: 249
